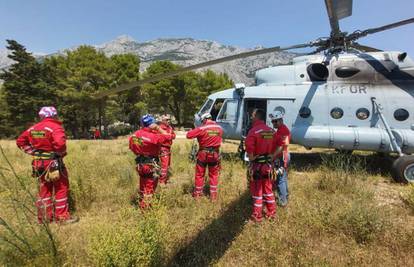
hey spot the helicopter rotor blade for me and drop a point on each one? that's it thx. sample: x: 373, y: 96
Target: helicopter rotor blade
x: 359, y: 34
x: 161, y: 76
x: 337, y: 9
x: 364, y: 48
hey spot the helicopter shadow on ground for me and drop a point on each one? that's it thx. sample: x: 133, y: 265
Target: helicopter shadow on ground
x: 375, y: 164
x: 213, y: 241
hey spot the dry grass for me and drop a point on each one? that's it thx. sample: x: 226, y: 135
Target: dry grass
x: 337, y: 216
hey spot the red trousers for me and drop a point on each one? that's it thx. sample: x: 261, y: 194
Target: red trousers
x: 261, y: 191
x: 57, y: 205
x: 210, y: 160
x: 147, y: 184
x: 165, y: 161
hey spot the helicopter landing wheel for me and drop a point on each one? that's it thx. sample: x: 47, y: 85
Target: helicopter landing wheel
x: 403, y: 169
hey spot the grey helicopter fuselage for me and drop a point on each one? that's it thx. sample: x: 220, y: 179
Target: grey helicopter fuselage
x: 347, y: 101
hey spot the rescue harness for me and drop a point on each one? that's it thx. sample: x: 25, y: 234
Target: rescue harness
x: 153, y: 162
x: 210, y: 149
x: 52, y: 171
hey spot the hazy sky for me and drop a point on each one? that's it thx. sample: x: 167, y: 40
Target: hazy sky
x: 49, y: 25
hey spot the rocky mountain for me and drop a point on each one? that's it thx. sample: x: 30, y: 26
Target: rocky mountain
x: 187, y: 51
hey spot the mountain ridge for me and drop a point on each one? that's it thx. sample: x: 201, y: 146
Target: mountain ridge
x: 185, y: 52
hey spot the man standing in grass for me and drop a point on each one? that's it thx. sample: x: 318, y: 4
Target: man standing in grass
x: 281, y: 156
x: 209, y: 137
x: 165, y: 156
x: 46, y: 142
x: 260, y: 149
x: 146, y: 144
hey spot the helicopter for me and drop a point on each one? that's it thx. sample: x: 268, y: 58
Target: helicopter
x: 343, y: 95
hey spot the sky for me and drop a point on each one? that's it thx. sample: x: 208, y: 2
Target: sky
x: 46, y: 26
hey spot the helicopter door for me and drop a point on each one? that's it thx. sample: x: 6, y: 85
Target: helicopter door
x: 283, y: 105
x: 227, y: 117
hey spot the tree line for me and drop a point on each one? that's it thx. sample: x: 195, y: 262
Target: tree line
x: 70, y: 80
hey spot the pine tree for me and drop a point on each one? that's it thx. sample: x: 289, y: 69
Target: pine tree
x: 24, y: 88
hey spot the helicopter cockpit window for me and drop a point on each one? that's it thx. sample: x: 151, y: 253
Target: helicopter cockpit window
x: 305, y: 112
x: 362, y: 113
x: 228, y: 112
x: 206, y: 107
x: 337, y: 113
x: 216, y: 108
x: 401, y: 114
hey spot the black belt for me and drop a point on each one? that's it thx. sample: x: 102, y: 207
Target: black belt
x: 210, y: 149
x: 142, y: 159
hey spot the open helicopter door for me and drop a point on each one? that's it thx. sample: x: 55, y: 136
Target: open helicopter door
x: 285, y: 105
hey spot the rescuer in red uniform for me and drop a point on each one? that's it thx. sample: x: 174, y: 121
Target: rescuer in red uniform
x: 281, y: 156
x: 260, y: 148
x: 46, y: 142
x: 165, y: 156
x: 146, y: 145
x: 209, y: 137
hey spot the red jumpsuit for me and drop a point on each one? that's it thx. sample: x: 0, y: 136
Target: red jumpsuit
x: 146, y: 144
x: 209, y: 137
x: 259, y: 142
x: 165, y: 156
x: 40, y: 140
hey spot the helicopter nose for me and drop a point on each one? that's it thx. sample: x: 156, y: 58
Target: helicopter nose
x: 197, y: 120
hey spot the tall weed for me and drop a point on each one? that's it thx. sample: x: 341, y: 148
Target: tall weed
x: 23, y: 241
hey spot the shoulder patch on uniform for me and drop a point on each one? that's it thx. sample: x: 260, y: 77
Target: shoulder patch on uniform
x: 267, y: 134
x: 38, y: 134
x: 213, y: 132
x: 136, y: 140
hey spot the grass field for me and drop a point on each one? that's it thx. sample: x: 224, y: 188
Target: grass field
x: 343, y: 210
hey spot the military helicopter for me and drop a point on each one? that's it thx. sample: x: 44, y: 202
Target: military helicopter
x: 344, y: 95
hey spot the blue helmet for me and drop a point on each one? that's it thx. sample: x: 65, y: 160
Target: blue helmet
x: 147, y: 120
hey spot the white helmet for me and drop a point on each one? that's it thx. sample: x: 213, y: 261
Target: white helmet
x: 206, y: 115
x: 276, y: 115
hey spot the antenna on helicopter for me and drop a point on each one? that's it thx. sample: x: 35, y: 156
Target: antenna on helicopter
x: 336, y: 43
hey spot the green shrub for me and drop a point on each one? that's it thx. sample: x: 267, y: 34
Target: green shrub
x: 340, y: 172
x: 362, y: 221
x: 129, y: 243
x: 82, y: 193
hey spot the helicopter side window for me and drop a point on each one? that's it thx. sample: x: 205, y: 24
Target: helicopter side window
x: 362, y: 113
x: 206, y: 107
x: 305, y: 112
x: 228, y: 112
x: 337, y: 113
x: 346, y: 71
x: 401, y: 114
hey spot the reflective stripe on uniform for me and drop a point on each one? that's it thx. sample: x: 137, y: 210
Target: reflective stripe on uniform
x: 256, y: 197
x: 210, y: 126
x: 61, y: 199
